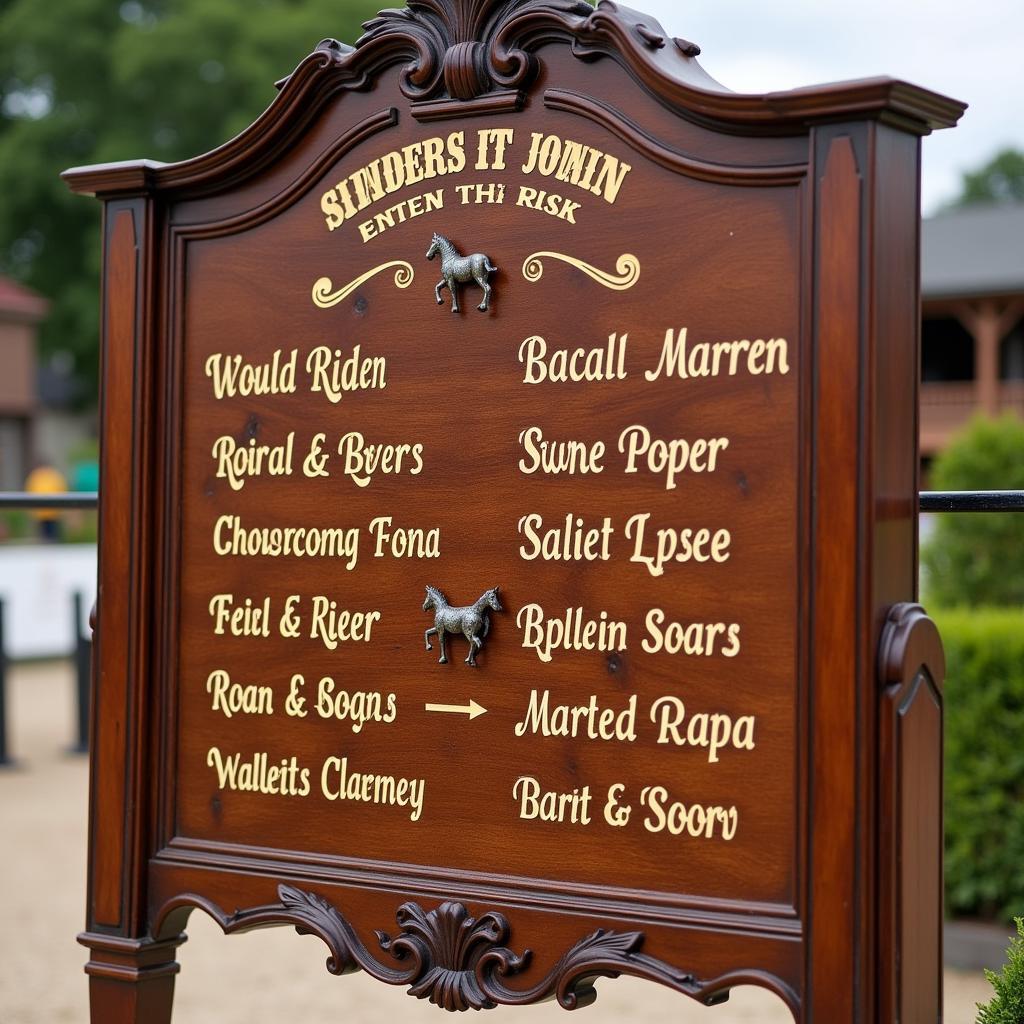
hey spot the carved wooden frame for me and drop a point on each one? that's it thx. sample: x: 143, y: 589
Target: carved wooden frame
x: 859, y: 181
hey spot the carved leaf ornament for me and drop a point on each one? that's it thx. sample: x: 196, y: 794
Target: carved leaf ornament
x: 459, y: 962
x: 462, y: 46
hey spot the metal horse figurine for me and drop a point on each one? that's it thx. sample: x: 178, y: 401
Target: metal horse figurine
x: 458, y: 269
x: 474, y: 623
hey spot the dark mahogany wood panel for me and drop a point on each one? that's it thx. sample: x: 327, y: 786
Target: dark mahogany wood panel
x: 694, y: 769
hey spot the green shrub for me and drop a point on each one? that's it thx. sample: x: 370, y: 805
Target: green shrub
x: 977, y: 558
x: 1007, y: 1005
x: 15, y: 524
x: 984, y: 804
x: 80, y: 528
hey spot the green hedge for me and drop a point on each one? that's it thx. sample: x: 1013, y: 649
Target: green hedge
x: 984, y: 702
x: 977, y: 558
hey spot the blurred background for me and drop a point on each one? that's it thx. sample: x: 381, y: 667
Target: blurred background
x: 83, y: 81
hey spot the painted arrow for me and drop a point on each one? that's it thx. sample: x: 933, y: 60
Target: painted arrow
x: 472, y: 709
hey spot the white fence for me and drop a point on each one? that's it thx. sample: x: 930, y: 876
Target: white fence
x: 37, y: 584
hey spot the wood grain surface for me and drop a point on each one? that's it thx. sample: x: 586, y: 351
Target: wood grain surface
x: 728, y: 820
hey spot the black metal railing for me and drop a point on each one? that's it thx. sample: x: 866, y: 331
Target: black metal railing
x: 81, y: 648
x: 61, y: 502
x: 972, y: 501
x: 931, y: 501
x: 81, y: 655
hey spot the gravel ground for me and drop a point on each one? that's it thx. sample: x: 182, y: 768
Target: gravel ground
x: 269, y: 976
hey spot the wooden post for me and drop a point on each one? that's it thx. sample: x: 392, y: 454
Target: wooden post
x: 131, y: 981
x: 988, y: 323
x: 985, y: 326
x: 5, y: 757
x: 131, y: 976
x: 82, y: 656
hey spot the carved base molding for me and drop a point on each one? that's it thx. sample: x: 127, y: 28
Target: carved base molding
x: 130, y: 960
x: 459, y: 962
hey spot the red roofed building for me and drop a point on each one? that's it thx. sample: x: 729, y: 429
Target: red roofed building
x: 20, y: 312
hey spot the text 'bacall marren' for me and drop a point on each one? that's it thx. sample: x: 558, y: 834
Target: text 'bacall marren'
x: 678, y: 359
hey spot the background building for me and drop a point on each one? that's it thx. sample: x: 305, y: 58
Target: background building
x: 972, y: 288
x: 21, y: 311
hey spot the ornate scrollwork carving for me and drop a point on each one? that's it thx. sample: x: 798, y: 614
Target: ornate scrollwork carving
x: 459, y: 962
x: 446, y: 945
x: 438, y: 954
x: 466, y: 48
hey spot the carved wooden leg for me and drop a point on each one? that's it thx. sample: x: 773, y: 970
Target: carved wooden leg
x: 131, y: 981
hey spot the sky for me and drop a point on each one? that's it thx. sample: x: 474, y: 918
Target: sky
x: 972, y: 51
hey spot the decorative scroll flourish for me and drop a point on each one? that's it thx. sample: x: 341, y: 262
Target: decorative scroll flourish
x: 325, y: 297
x: 459, y: 962
x: 437, y: 954
x: 627, y: 269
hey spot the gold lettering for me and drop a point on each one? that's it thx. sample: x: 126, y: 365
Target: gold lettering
x: 398, y: 169
x: 535, y: 804
x: 570, y: 632
x: 693, y: 820
x: 669, y: 458
x: 588, y: 719
x: 705, y: 359
x: 696, y: 639
x: 257, y: 774
x: 338, y: 782
x: 557, y: 457
x: 607, y: 362
x: 237, y: 699
x: 332, y: 375
x: 672, y: 545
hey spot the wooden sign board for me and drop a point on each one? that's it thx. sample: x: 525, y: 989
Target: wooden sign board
x: 508, y: 528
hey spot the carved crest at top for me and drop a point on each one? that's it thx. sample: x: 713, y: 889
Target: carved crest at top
x: 463, y: 57
x: 467, y: 48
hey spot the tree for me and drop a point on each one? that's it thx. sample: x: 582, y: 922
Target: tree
x: 1007, y: 1005
x: 975, y: 558
x: 85, y: 81
x: 1001, y: 180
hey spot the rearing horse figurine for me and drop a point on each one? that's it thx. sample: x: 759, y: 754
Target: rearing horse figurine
x: 458, y: 269
x: 474, y: 623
